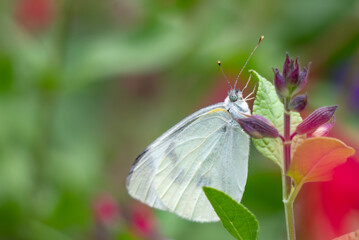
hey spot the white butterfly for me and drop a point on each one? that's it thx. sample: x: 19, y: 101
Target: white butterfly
x: 208, y: 148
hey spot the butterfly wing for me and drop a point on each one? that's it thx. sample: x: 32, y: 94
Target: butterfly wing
x: 140, y: 181
x: 207, y: 148
x: 210, y: 151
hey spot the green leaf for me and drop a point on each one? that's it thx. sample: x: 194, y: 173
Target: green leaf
x: 236, y: 218
x: 268, y: 105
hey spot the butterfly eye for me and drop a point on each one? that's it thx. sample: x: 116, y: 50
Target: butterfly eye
x: 233, y: 97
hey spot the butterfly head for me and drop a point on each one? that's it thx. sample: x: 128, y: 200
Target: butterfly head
x: 236, y: 105
x: 235, y: 95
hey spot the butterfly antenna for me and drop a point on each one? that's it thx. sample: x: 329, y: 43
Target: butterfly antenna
x: 260, y: 40
x: 220, y: 66
x: 247, y: 83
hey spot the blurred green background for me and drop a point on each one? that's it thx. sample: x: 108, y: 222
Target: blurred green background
x: 86, y: 85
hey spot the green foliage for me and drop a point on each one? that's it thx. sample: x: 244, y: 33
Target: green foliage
x: 268, y: 105
x: 236, y: 218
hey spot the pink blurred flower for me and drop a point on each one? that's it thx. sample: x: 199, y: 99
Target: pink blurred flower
x: 143, y: 220
x: 331, y: 208
x: 106, y: 209
x: 35, y: 15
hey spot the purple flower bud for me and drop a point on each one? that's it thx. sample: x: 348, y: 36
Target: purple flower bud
x: 316, y: 119
x: 298, y: 103
x: 258, y: 127
x: 286, y: 66
x: 292, y: 80
x: 303, y: 75
x: 294, y: 74
x: 302, y: 80
x: 280, y: 84
x: 324, y: 129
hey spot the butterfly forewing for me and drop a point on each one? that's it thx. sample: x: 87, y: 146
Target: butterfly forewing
x: 140, y: 179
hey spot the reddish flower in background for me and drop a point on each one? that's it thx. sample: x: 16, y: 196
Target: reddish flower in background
x: 331, y: 209
x: 106, y: 209
x: 341, y: 198
x: 143, y: 221
x: 34, y: 15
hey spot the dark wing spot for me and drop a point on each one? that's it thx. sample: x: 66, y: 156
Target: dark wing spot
x: 179, y: 178
x: 224, y: 128
x: 171, y: 154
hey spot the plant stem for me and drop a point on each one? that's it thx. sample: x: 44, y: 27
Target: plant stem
x: 289, y: 215
x: 286, y: 181
x: 294, y: 193
x: 287, y: 152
